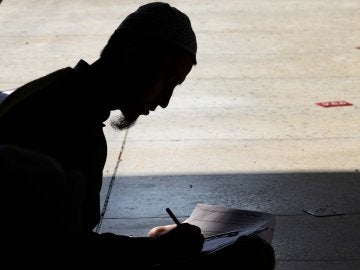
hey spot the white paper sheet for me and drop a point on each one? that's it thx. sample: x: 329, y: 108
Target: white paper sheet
x: 216, y: 220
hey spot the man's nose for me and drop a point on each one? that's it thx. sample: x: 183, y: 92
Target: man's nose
x: 164, y: 103
x: 166, y: 98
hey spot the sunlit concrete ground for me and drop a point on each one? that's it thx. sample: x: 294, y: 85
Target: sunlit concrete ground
x: 242, y: 131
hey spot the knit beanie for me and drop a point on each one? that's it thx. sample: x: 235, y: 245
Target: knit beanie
x: 161, y: 21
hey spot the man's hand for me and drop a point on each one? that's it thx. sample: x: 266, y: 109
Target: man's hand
x: 177, y: 242
x: 156, y: 231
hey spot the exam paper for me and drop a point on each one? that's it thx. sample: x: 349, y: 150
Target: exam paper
x: 214, y: 220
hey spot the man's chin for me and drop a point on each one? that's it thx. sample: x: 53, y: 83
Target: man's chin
x: 121, y: 123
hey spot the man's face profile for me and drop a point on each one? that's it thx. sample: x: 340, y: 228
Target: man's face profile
x: 157, y: 92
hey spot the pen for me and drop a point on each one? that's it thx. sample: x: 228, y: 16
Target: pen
x: 171, y: 214
x: 259, y: 230
x: 226, y: 234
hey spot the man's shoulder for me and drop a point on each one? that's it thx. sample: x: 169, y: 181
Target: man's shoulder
x: 53, y: 77
x: 65, y: 79
x: 37, y: 87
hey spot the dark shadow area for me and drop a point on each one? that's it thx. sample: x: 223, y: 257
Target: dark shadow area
x: 301, y: 240
x: 277, y: 193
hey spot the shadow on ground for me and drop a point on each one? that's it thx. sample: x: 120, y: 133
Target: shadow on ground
x: 137, y: 203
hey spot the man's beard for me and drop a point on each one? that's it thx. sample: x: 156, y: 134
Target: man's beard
x: 120, y: 122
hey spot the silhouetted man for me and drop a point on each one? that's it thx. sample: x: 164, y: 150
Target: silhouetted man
x: 53, y: 148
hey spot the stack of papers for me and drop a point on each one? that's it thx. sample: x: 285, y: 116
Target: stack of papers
x: 222, y: 226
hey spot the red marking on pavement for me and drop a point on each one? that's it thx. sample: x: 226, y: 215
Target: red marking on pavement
x: 328, y: 104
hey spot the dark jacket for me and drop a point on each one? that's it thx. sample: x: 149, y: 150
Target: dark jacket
x: 52, y: 154
x: 56, y: 115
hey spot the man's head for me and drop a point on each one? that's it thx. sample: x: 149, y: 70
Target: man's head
x: 150, y: 53
x: 156, y: 21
